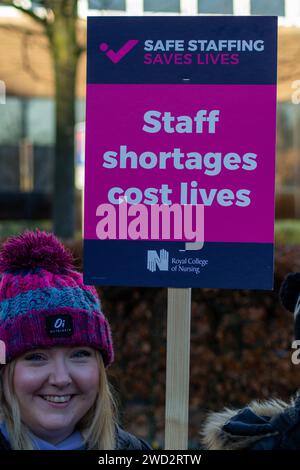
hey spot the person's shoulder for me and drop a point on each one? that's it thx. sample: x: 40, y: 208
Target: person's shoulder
x: 251, y: 427
x: 125, y: 440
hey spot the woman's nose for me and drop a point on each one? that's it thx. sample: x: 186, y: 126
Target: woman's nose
x: 60, y: 375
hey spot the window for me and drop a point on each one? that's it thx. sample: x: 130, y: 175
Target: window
x: 106, y: 4
x: 162, y: 5
x: 11, y: 121
x: 267, y: 7
x: 80, y: 110
x: 288, y: 117
x: 216, y: 6
x: 11, y: 128
x: 40, y: 121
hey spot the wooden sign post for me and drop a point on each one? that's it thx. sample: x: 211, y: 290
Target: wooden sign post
x: 178, y: 369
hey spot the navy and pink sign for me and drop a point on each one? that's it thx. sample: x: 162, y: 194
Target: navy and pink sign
x: 180, y: 151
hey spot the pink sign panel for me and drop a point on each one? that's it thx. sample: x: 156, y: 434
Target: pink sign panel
x: 147, y: 136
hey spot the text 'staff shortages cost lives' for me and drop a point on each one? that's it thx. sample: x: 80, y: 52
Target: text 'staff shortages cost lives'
x: 180, y: 112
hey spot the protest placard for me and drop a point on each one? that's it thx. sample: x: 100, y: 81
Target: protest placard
x: 180, y: 112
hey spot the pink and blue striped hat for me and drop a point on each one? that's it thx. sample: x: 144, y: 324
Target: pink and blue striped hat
x: 43, y: 301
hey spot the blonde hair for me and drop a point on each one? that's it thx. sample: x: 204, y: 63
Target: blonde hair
x: 97, y: 426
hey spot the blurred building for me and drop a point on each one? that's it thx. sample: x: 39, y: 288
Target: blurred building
x: 27, y: 118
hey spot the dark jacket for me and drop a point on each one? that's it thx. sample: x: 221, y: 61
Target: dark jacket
x: 271, y: 425
x: 4, y: 444
x: 124, y: 441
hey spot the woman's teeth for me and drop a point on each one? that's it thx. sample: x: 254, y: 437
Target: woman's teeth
x: 57, y: 398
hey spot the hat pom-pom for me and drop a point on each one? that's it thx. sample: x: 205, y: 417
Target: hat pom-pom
x: 34, y: 249
x: 290, y: 291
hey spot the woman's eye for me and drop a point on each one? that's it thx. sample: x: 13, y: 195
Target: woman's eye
x: 81, y: 353
x: 35, y: 357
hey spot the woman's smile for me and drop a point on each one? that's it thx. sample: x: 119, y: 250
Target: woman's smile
x: 57, y: 398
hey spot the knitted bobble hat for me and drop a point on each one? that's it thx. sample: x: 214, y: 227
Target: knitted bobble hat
x: 290, y: 298
x: 43, y: 301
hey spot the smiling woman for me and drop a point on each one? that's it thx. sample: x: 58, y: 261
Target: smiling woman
x: 54, y: 393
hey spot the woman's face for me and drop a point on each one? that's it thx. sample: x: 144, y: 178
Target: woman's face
x: 55, y: 388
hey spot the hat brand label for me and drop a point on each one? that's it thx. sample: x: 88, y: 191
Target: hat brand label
x: 59, y: 326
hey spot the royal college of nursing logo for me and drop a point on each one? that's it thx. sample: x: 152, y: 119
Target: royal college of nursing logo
x: 155, y: 260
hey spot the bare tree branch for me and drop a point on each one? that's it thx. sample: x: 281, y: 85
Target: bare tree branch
x: 27, y: 36
x: 22, y: 30
x: 26, y: 60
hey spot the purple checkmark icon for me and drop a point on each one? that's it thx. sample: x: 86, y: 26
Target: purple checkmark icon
x: 115, y: 57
